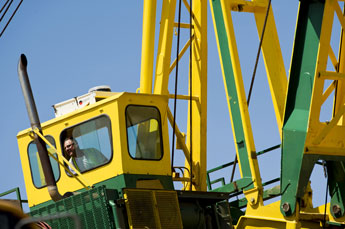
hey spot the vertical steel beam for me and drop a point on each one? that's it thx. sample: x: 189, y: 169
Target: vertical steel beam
x: 164, y: 47
x: 147, y: 46
x: 199, y: 89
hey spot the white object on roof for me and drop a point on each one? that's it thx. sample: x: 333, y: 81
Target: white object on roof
x: 100, y: 88
x: 76, y: 103
x: 73, y: 104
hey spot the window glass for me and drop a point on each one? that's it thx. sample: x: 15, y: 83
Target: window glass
x: 36, y: 167
x: 144, y: 132
x: 91, y: 144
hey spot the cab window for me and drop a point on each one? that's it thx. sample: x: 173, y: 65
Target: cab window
x: 35, y: 164
x: 88, y: 145
x: 144, y: 135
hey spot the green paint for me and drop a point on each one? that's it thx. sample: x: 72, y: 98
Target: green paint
x: 239, y: 185
x: 336, y: 182
x: 222, y: 180
x: 120, y: 182
x: 232, y: 90
x: 129, y: 181
x: 91, y: 207
x: 296, y: 168
x: 268, y: 194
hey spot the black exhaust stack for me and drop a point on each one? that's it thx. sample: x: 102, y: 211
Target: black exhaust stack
x: 35, y: 123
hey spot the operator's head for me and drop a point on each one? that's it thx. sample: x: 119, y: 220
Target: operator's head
x: 70, y: 146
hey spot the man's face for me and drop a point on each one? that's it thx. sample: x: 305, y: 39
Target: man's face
x: 70, y: 148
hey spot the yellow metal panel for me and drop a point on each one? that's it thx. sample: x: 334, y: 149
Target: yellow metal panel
x: 131, y: 165
x: 164, y: 47
x: 274, y: 63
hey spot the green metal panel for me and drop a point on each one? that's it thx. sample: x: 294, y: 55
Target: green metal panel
x: 232, y: 90
x: 130, y: 180
x: 120, y: 182
x: 336, y: 181
x: 91, y: 206
x: 296, y: 168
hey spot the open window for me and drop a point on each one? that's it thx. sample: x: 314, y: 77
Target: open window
x: 36, y: 166
x: 92, y: 143
x: 144, y: 134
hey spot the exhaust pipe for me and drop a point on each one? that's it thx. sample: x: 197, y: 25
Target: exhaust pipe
x: 35, y: 123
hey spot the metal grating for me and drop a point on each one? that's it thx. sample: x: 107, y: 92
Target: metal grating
x: 91, y: 207
x: 152, y: 209
x: 140, y: 209
x: 168, y: 209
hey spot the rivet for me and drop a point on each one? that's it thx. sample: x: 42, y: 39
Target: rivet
x: 286, y: 207
x: 336, y: 209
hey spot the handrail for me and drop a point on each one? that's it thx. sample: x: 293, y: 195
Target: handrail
x: 208, y: 180
x: 19, y: 198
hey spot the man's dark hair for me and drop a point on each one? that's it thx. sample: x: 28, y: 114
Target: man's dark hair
x: 69, y: 138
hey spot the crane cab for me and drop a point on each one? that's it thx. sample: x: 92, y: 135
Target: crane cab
x: 126, y: 133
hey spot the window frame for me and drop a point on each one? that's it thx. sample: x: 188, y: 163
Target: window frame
x: 50, y: 158
x: 160, y: 133
x: 110, y: 138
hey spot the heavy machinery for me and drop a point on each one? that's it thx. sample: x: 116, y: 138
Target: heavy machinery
x: 133, y: 187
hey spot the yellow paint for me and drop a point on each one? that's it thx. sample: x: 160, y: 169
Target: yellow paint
x: 149, y: 184
x: 247, y: 6
x: 327, y: 138
x: 40, y: 170
x: 269, y: 216
x: 147, y: 47
x: 340, y: 96
x: 274, y: 63
x: 114, y: 107
x: 164, y: 47
x: 226, y: 6
x: 197, y: 143
x: 61, y: 160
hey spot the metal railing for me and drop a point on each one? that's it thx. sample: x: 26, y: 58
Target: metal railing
x: 222, y: 180
x: 17, y: 191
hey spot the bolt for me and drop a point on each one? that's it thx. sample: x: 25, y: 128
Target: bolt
x: 252, y: 200
x: 336, y: 209
x: 286, y: 207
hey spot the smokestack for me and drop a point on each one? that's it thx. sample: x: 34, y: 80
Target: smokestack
x: 35, y: 123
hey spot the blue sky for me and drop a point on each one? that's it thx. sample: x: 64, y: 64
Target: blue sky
x: 72, y: 46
